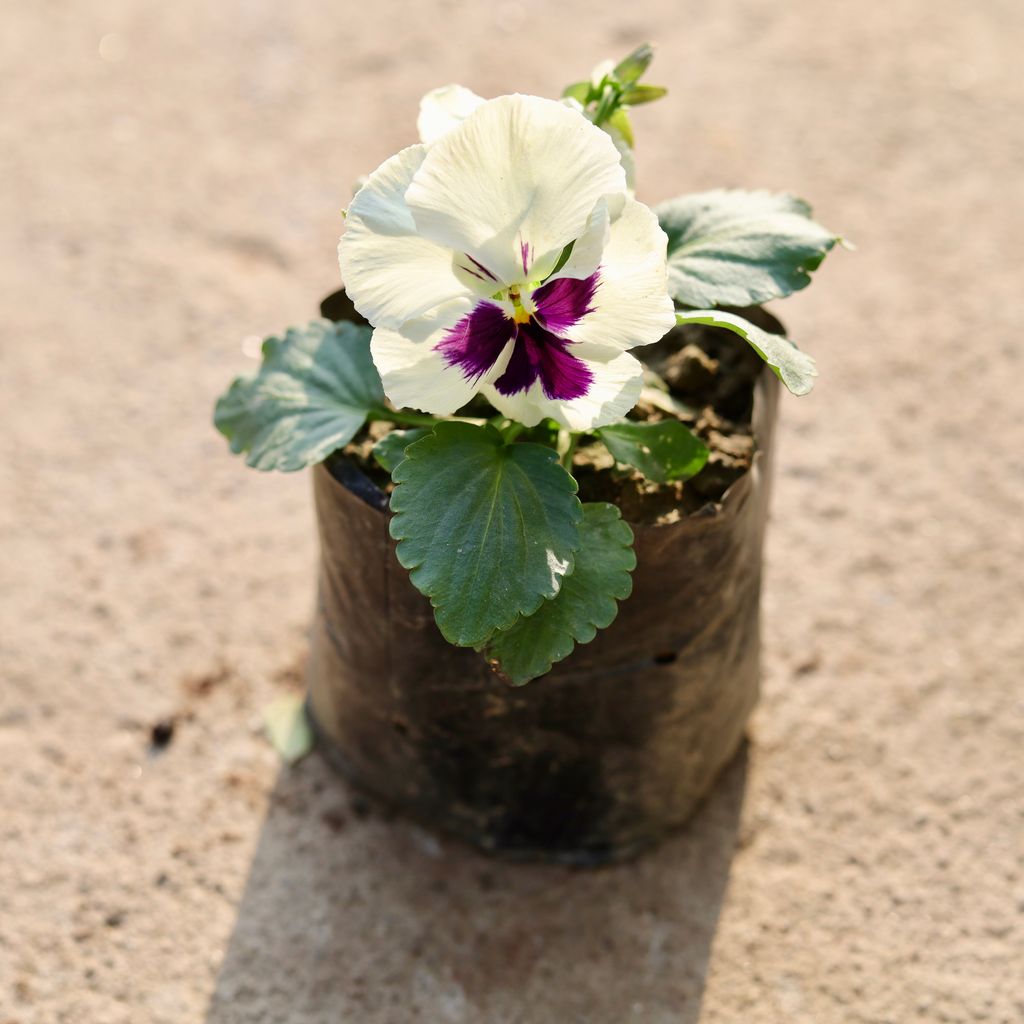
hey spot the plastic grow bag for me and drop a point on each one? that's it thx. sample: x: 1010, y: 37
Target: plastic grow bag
x: 602, y: 756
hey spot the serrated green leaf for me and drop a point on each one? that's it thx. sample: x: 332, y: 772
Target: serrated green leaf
x: 630, y: 68
x: 587, y: 602
x: 487, y: 529
x: 737, y: 248
x: 637, y: 94
x: 389, y: 451
x: 661, y: 451
x: 794, y: 368
x: 308, y: 399
x: 287, y: 728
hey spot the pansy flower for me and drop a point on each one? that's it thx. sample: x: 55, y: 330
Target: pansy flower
x: 444, y: 108
x: 508, y: 258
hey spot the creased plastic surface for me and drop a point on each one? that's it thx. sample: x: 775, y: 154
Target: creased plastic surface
x: 593, y: 761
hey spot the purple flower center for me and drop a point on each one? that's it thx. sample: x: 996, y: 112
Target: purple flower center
x: 540, y: 353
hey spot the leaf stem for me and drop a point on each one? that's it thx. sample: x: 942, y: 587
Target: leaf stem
x: 511, y: 432
x: 405, y: 418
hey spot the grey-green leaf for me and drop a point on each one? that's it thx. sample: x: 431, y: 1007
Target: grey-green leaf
x: 389, y: 451
x: 587, y: 602
x: 737, y: 248
x: 794, y: 368
x: 661, y: 451
x: 487, y: 529
x: 308, y: 399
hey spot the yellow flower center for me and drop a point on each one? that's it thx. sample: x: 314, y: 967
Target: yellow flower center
x: 519, y: 313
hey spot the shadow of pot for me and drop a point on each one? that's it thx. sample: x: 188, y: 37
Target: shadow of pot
x: 601, y: 757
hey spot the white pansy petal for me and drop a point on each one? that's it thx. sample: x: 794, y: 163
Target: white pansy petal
x: 626, y: 155
x: 526, y: 407
x: 631, y: 305
x: 514, y: 183
x: 415, y: 375
x: 616, y: 380
x: 588, y: 248
x: 442, y: 109
x: 391, y: 273
x: 624, y: 148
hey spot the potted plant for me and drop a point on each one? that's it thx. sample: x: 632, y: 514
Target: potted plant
x: 540, y: 424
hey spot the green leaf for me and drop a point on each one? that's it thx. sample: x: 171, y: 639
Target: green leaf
x: 487, y: 529
x: 794, y: 368
x: 586, y: 603
x: 389, y: 451
x: 661, y: 451
x: 579, y: 91
x: 308, y: 399
x: 637, y: 94
x: 736, y: 248
x: 621, y: 123
x: 287, y: 728
x: 631, y: 68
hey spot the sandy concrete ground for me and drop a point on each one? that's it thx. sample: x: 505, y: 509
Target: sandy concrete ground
x: 174, y: 191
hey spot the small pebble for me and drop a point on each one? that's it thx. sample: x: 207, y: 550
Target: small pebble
x: 161, y: 734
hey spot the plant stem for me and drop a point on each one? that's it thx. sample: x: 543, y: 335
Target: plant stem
x: 567, y: 442
x: 512, y: 432
x: 606, y: 105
